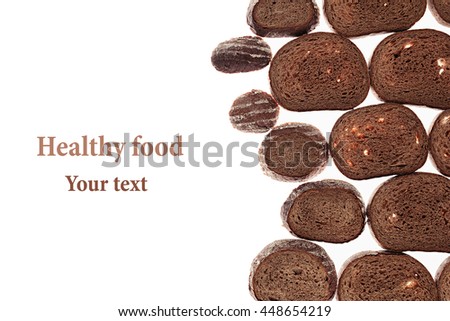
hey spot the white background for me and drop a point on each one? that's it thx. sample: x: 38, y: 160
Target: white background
x: 73, y: 68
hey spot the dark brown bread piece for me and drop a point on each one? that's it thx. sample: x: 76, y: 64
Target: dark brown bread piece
x: 241, y: 54
x: 357, y: 18
x: 254, y: 112
x: 385, y: 276
x: 292, y: 270
x: 443, y: 280
x: 282, y: 18
x: 293, y: 152
x: 319, y: 71
x: 380, y: 140
x: 412, y: 213
x: 329, y: 210
x: 440, y: 142
x: 413, y: 67
x: 441, y: 10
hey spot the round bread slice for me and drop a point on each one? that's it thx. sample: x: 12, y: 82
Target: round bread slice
x: 292, y: 270
x: 319, y: 71
x: 357, y: 18
x: 254, y: 112
x: 412, y: 213
x: 441, y: 10
x: 443, y: 280
x: 413, y: 67
x: 282, y: 18
x: 293, y: 152
x: 329, y: 210
x: 440, y: 142
x: 380, y: 140
x: 385, y: 276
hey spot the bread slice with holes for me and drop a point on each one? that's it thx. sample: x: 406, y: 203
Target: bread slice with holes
x: 378, y: 140
x: 441, y: 10
x: 282, y: 18
x: 357, y: 18
x: 443, y: 280
x: 293, y: 152
x: 319, y: 71
x: 385, y: 276
x: 292, y: 270
x: 412, y: 213
x: 413, y: 67
x: 329, y: 210
x: 440, y: 142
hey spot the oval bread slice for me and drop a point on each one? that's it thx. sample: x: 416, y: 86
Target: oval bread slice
x: 412, y: 213
x: 413, y: 67
x: 380, y: 140
x: 319, y: 71
x: 440, y: 142
x: 292, y: 270
x: 329, y: 210
x: 385, y: 276
x: 357, y: 18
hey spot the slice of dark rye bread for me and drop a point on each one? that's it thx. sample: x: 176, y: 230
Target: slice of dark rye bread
x: 413, y: 67
x: 443, y: 280
x: 241, y: 54
x: 319, y: 71
x: 441, y: 10
x: 254, y: 112
x: 292, y: 270
x: 412, y: 213
x: 356, y: 18
x: 440, y: 143
x: 282, y: 18
x: 385, y: 276
x: 293, y: 152
x: 329, y: 210
x: 379, y: 140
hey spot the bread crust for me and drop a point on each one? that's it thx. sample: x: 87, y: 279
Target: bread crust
x: 411, y: 282
x: 319, y: 71
x: 412, y: 213
x: 296, y: 245
x: 254, y: 112
x: 321, y: 187
x: 241, y: 54
x: 413, y: 67
x: 378, y: 140
x: 309, y: 168
x: 357, y: 18
x: 287, y: 30
x: 441, y: 11
x: 440, y: 143
x: 443, y: 280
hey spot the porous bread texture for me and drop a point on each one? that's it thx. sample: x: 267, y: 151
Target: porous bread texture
x: 413, y: 67
x: 412, y: 213
x: 385, y: 276
x: 356, y: 18
x: 319, y: 71
x: 440, y: 142
x: 441, y: 10
x: 293, y: 152
x: 443, y: 280
x: 282, y: 18
x: 329, y: 210
x: 292, y: 270
x: 378, y: 140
